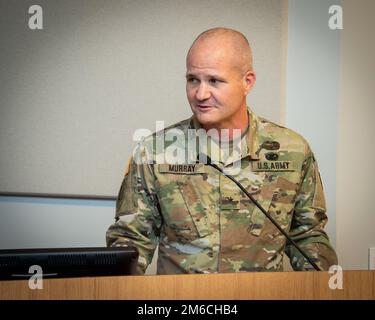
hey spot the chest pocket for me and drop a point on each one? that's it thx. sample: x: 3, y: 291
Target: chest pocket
x: 278, y: 200
x: 235, y: 205
x: 264, y: 199
x: 181, y: 191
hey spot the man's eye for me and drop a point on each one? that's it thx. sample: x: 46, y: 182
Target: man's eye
x: 192, y: 80
x: 214, y: 81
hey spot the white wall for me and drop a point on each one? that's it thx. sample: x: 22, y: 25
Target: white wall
x: 356, y: 132
x: 330, y: 97
x: 43, y: 223
x: 312, y: 88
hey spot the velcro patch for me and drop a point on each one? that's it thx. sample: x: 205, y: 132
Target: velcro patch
x: 181, y: 168
x: 273, y: 166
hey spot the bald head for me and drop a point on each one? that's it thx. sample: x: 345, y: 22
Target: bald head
x: 228, y: 43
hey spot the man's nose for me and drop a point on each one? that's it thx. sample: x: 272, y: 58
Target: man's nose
x: 203, y: 92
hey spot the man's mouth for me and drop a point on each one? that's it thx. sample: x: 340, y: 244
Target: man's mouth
x: 204, y: 107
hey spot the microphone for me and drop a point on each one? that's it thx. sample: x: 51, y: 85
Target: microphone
x: 290, y: 240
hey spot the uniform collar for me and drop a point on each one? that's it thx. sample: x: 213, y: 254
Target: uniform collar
x: 252, y: 136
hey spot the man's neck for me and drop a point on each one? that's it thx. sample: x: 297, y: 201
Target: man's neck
x: 231, y: 130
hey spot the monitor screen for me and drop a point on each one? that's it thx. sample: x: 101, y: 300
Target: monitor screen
x: 67, y: 262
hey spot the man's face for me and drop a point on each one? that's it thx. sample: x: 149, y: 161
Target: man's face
x: 216, y: 88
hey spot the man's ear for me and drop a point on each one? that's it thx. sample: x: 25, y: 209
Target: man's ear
x: 249, y: 79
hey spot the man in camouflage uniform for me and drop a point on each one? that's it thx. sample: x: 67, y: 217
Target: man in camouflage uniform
x: 201, y: 220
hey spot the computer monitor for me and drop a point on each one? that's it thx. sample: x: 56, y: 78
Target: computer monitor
x: 68, y: 262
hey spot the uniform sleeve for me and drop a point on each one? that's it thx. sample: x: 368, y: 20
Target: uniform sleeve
x: 138, y: 219
x: 307, y: 228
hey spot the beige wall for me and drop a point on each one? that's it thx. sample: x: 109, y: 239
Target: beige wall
x: 73, y: 94
x: 355, y: 216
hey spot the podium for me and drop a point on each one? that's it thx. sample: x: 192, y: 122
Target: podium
x: 228, y: 286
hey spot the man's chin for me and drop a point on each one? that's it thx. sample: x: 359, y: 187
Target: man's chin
x: 206, y: 119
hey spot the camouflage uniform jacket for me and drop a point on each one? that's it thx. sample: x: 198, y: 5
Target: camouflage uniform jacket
x: 204, y: 223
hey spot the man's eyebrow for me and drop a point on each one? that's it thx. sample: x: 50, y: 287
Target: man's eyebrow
x: 193, y: 75
x: 190, y: 75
